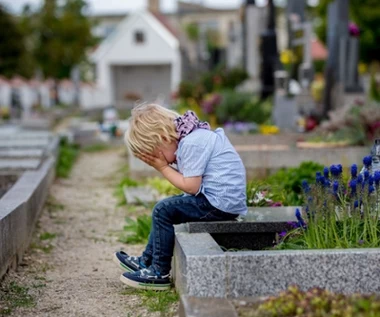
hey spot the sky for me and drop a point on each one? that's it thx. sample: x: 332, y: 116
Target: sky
x: 113, y: 6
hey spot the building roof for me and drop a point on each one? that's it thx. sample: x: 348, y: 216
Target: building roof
x: 318, y: 50
x: 165, y: 22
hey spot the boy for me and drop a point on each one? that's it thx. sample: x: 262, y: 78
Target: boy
x: 210, y: 173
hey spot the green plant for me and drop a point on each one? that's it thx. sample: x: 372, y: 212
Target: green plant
x: 68, y: 153
x: 156, y: 301
x: 13, y: 296
x: 96, y: 147
x: 163, y: 186
x: 47, y: 236
x: 136, y: 231
x: 262, y: 194
x: 243, y: 107
x: 289, y: 180
x: 315, y: 302
x: 337, y: 215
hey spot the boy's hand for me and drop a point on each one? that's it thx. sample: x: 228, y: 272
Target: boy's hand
x: 158, y: 162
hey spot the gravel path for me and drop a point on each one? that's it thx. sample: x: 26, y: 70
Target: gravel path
x: 69, y: 269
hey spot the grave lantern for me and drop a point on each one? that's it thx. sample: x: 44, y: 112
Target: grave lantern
x: 281, y: 78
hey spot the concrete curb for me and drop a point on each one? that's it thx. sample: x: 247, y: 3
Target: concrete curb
x: 19, y: 210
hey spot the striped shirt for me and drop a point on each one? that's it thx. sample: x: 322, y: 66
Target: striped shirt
x: 210, y: 154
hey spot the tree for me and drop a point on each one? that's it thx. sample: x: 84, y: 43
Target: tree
x: 64, y: 35
x: 366, y: 14
x: 12, y: 47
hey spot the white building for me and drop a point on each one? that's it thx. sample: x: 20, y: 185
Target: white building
x: 140, y: 60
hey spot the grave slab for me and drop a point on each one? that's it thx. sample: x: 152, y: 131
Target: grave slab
x: 141, y: 194
x: 19, y: 164
x: 21, y: 143
x: 21, y: 153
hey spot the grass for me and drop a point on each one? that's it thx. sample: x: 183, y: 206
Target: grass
x: 99, y: 147
x: 13, y: 296
x: 53, y: 205
x: 47, y: 236
x: 155, y: 301
x: 136, y: 231
x: 67, y: 156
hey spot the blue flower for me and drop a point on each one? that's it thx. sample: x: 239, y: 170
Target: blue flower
x: 376, y: 176
x: 335, y: 187
x: 371, y: 189
x: 356, y: 204
x: 367, y: 160
x: 366, y: 175
x: 305, y: 186
x: 326, y: 172
x: 353, y: 184
x: 334, y: 170
x: 301, y: 222
x: 354, y: 170
x: 340, y: 168
x: 371, y: 180
x: 360, y: 179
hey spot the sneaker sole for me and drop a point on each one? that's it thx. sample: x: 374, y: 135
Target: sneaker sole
x: 121, y: 265
x: 145, y: 286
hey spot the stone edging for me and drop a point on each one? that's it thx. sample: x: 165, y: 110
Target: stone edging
x: 19, y: 211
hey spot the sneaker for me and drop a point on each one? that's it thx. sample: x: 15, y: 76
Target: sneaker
x: 147, y: 279
x: 126, y: 262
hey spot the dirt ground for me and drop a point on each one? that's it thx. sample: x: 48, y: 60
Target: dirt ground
x: 68, y: 269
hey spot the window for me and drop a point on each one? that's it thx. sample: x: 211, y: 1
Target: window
x: 139, y: 37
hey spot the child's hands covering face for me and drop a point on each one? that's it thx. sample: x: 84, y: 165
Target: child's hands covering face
x: 157, y: 161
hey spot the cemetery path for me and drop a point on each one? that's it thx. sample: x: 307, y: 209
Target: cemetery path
x: 69, y: 268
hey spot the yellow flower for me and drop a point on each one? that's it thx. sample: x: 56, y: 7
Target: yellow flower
x: 269, y: 129
x: 362, y: 68
x: 286, y: 57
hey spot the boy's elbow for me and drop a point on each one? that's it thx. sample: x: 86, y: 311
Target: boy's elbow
x: 193, y: 185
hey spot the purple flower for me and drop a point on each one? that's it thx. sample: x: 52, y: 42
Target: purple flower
x: 326, y: 172
x: 361, y: 242
x: 334, y: 170
x: 353, y: 29
x: 276, y: 204
x: 282, y: 234
x: 367, y: 160
x: 354, y: 170
x: 293, y: 224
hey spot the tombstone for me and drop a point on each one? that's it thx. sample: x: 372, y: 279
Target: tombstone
x: 269, y: 54
x: 285, y: 110
x: 5, y: 93
x: 234, y: 52
x: 253, y: 26
x: 66, y: 92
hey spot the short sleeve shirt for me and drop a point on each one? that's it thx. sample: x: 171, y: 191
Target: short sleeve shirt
x: 210, y: 154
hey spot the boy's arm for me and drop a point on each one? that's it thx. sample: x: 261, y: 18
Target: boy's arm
x: 189, y: 185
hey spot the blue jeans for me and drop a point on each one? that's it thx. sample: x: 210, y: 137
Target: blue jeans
x: 171, y: 211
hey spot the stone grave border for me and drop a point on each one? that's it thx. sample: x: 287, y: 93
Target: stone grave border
x: 20, y: 208
x: 202, y: 269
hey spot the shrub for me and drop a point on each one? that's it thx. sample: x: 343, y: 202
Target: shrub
x: 243, y: 107
x: 68, y: 153
x: 289, y: 181
x: 163, y: 186
x: 316, y: 302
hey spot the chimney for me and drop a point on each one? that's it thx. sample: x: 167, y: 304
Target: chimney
x: 154, y: 6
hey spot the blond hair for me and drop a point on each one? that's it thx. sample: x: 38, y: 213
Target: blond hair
x: 149, y: 126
